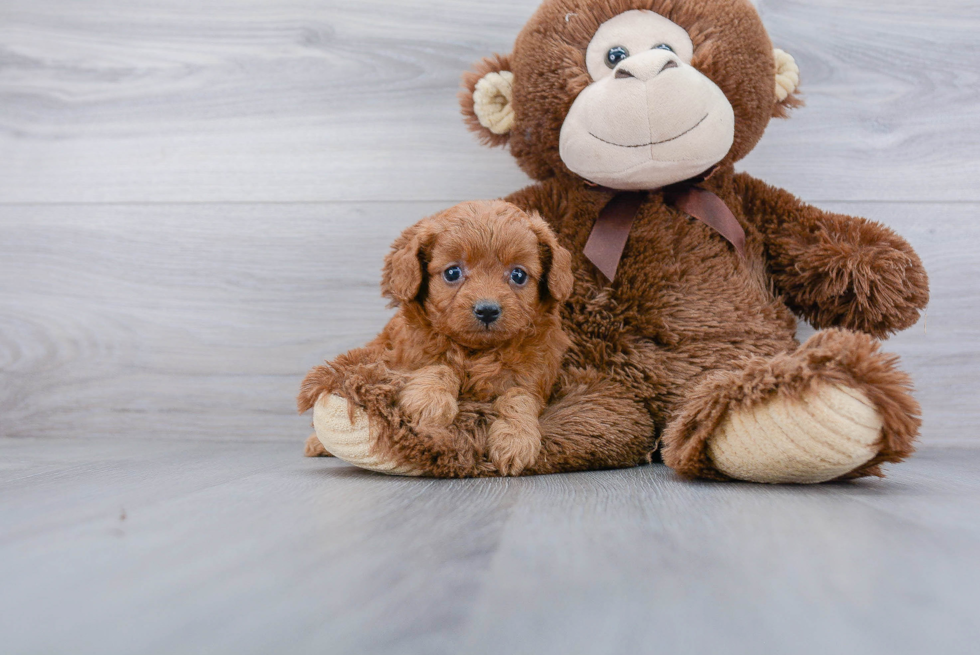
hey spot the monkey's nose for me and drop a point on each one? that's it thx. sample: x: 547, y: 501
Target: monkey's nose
x: 486, y: 312
x: 646, y: 66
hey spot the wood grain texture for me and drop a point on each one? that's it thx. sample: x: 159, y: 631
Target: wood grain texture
x: 163, y: 547
x: 286, y: 100
x: 893, y: 101
x: 181, y: 320
x: 199, y: 321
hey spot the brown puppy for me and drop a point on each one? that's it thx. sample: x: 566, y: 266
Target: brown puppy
x: 478, y: 289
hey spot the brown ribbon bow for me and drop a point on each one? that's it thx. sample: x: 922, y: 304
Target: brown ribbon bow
x: 612, y: 228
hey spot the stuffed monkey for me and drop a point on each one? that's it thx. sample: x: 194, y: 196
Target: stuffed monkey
x: 630, y: 115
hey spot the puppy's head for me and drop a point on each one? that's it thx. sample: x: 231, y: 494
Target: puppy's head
x: 480, y: 273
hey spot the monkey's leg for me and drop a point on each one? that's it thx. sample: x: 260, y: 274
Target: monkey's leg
x: 835, y: 408
x: 592, y: 423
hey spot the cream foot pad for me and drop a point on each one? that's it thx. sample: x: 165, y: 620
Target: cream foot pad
x: 348, y: 441
x: 828, y: 433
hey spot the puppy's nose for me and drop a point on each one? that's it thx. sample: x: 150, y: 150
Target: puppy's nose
x: 487, y: 312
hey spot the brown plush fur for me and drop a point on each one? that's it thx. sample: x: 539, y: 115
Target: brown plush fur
x: 688, y: 328
x: 440, y: 352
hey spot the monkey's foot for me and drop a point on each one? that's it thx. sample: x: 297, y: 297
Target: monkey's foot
x: 834, y: 408
x: 350, y: 441
x: 826, y: 433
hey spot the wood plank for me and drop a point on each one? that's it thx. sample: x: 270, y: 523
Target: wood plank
x: 111, y: 546
x: 885, y: 120
x: 676, y: 570
x: 199, y: 321
x: 289, y: 101
x: 183, y: 320
x: 157, y: 548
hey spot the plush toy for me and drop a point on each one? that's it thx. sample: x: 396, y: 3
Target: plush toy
x: 631, y: 114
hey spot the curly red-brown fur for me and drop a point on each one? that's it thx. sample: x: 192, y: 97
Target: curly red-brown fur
x: 435, y: 352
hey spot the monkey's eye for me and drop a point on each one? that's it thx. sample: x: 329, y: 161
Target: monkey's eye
x: 452, y: 274
x: 663, y: 46
x: 518, y: 276
x: 616, y: 55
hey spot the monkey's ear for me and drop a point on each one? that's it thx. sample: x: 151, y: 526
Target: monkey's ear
x: 787, y: 83
x: 404, y: 268
x: 487, y: 100
x: 557, y: 280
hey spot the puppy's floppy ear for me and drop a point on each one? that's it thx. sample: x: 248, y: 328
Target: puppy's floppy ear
x: 557, y: 280
x: 404, y: 270
x: 487, y: 100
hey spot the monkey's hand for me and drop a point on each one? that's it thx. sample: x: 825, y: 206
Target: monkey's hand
x: 430, y: 396
x: 835, y: 270
x: 840, y: 271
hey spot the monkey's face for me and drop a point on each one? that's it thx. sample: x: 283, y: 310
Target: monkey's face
x: 648, y: 119
x: 632, y: 94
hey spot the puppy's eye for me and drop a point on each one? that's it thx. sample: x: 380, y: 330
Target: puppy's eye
x: 663, y: 46
x: 452, y: 274
x: 616, y: 55
x: 518, y: 276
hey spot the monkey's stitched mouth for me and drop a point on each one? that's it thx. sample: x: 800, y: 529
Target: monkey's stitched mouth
x: 653, y: 143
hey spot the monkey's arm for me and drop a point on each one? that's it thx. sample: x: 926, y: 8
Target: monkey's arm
x: 836, y: 270
x: 329, y: 377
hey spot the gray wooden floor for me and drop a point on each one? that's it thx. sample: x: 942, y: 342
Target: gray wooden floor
x: 194, y: 202
x: 194, y: 547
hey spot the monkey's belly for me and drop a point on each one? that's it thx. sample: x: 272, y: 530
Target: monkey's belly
x: 662, y: 343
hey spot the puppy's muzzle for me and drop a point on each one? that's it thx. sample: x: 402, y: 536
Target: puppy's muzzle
x: 486, y: 312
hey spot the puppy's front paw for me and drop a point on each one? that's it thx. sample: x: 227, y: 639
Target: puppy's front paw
x: 429, y: 406
x: 513, y: 445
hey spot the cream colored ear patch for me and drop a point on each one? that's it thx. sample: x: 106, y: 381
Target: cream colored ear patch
x: 787, y: 74
x: 492, y: 100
